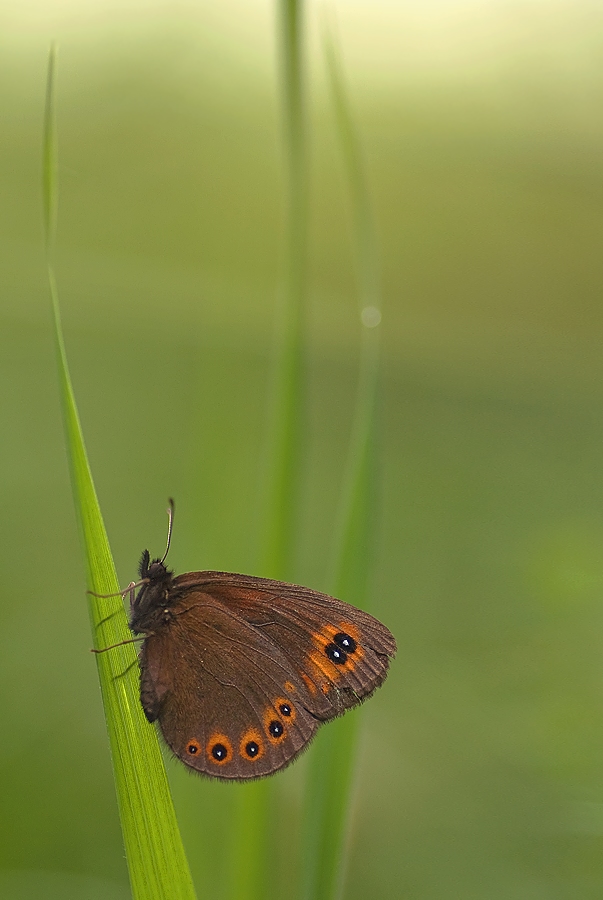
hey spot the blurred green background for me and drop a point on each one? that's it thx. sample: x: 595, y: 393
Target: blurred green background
x: 480, y: 772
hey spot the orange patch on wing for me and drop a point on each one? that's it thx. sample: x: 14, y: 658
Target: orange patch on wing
x: 290, y: 688
x: 217, y: 740
x: 324, y: 665
x: 309, y: 683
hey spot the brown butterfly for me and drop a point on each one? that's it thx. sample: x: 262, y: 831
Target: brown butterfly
x: 240, y: 672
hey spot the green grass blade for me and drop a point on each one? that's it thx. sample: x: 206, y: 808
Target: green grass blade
x: 331, y: 766
x: 155, y: 855
x: 286, y: 431
x: 250, y: 865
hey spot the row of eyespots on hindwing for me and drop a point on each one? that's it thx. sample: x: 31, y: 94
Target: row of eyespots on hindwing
x: 251, y: 745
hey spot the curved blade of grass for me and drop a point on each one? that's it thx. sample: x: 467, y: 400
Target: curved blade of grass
x: 250, y: 864
x: 155, y: 855
x: 331, y: 766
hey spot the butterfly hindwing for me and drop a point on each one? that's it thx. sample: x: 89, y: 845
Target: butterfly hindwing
x: 232, y: 708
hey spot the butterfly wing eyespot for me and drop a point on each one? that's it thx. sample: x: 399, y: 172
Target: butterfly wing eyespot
x: 345, y: 642
x: 274, y: 727
x: 336, y: 654
x: 219, y: 749
x: 251, y: 746
x: 340, y: 644
x: 193, y: 747
x: 286, y: 708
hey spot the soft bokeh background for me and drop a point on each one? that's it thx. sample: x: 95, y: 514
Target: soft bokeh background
x: 481, y: 760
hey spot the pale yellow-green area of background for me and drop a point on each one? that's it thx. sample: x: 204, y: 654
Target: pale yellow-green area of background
x: 482, y: 124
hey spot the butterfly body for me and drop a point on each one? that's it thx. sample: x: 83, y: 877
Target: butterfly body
x: 239, y: 672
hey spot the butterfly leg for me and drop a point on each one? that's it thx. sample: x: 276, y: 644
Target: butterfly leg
x: 131, y: 589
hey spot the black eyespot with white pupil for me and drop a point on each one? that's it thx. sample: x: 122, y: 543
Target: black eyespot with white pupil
x: 219, y: 752
x: 252, y: 748
x: 345, y: 642
x: 336, y: 654
x: 284, y: 709
x: 276, y: 729
x: 192, y: 749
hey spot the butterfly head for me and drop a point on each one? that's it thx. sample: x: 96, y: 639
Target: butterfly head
x: 153, y: 594
x: 152, y: 570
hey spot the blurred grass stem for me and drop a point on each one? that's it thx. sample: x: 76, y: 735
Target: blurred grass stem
x: 250, y: 862
x: 331, y: 770
x: 287, y: 413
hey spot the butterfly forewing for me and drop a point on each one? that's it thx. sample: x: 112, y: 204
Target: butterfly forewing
x: 341, y: 653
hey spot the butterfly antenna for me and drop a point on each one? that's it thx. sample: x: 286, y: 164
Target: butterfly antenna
x: 170, y: 512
